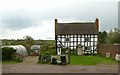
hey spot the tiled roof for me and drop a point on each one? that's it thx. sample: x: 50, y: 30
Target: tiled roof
x: 76, y: 28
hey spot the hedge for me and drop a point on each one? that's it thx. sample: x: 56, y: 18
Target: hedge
x: 8, y: 53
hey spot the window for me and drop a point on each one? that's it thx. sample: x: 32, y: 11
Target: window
x: 62, y: 39
x: 71, y: 35
x: 75, y: 44
x: 78, y: 35
x: 82, y: 35
x: 71, y: 44
x: 71, y: 39
x: 87, y: 47
x: 82, y: 39
x: 95, y: 39
x: 92, y: 39
x: 67, y: 39
x: 75, y: 35
x: 78, y: 39
x: 58, y: 36
x: 63, y: 36
x: 75, y: 39
x: 87, y: 39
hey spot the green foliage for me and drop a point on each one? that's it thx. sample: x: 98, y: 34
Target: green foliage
x: 18, y: 59
x: 28, y: 42
x: 45, y: 54
x: 45, y: 59
x: 110, y: 37
x: 47, y: 50
x: 27, y: 37
x: 8, y: 53
x: 114, y: 36
x: 102, y: 37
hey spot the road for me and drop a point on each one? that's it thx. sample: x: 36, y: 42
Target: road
x: 29, y: 66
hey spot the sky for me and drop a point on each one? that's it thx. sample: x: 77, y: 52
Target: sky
x: 35, y: 18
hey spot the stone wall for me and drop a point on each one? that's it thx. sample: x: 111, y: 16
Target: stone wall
x: 113, y: 49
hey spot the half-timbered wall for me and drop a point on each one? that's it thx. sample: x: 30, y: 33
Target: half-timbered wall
x: 89, y: 42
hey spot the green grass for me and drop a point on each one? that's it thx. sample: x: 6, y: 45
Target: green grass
x: 90, y: 60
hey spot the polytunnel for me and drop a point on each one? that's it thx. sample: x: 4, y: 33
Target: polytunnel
x: 20, y: 49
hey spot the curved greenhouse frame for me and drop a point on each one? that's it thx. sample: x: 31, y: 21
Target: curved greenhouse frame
x: 20, y: 49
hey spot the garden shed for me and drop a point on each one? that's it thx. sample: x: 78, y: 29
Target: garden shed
x: 20, y: 50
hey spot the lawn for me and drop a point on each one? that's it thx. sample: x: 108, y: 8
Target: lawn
x: 90, y: 60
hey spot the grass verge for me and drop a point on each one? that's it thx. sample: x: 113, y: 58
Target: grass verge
x: 91, y: 60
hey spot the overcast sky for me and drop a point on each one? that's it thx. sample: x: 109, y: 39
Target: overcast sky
x: 19, y: 18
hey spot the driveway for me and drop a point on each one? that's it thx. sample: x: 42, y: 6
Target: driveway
x: 29, y: 66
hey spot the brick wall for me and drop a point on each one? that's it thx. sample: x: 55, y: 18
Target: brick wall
x: 113, y: 49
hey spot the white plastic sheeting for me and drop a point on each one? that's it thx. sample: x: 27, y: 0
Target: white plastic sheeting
x: 35, y: 47
x: 20, y: 49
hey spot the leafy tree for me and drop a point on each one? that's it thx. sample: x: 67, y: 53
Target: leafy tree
x: 27, y: 37
x: 28, y: 42
x: 114, y: 36
x: 102, y: 37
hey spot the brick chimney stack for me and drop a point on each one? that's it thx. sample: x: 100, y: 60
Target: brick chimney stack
x: 97, y: 23
x: 55, y: 25
x: 55, y: 21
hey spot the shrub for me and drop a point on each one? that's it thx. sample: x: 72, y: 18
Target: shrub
x: 45, y: 54
x: 8, y: 53
x: 44, y: 59
x: 19, y: 59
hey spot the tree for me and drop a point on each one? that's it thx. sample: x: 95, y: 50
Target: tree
x: 27, y: 37
x: 102, y: 37
x: 114, y: 36
x: 28, y: 42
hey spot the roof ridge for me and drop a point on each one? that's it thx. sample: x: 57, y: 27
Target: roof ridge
x: 78, y: 23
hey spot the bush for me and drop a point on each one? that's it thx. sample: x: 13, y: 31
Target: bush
x: 46, y: 50
x: 19, y: 59
x: 8, y: 53
x: 45, y: 54
x: 44, y: 59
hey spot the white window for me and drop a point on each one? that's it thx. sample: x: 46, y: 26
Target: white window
x: 71, y: 39
x: 82, y: 39
x: 71, y: 35
x: 92, y: 39
x: 75, y: 44
x: 63, y: 39
x: 75, y: 35
x: 78, y: 39
x: 85, y: 43
x: 95, y: 39
x: 91, y: 35
x: 71, y: 44
x: 78, y: 35
x: 75, y: 39
x: 82, y: 43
